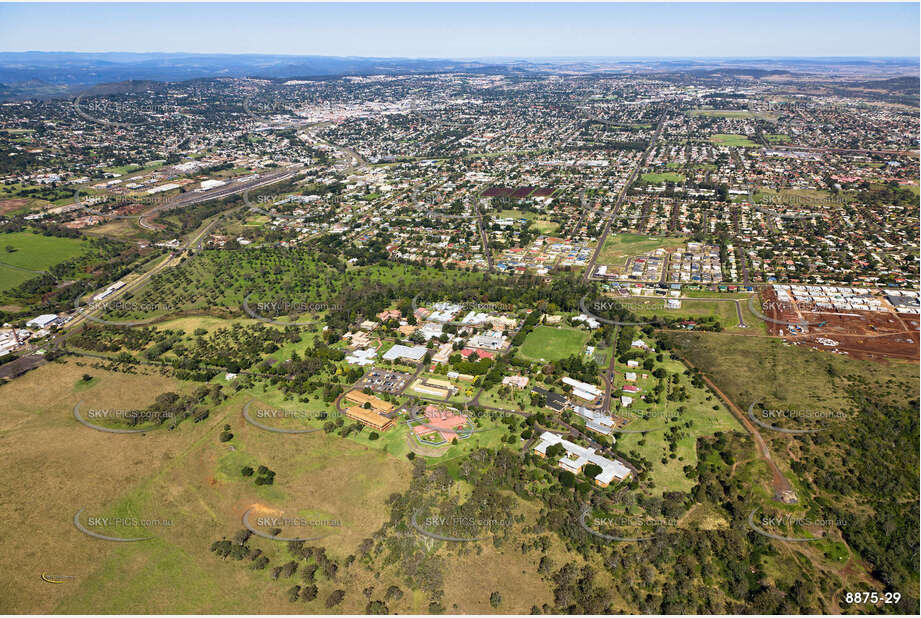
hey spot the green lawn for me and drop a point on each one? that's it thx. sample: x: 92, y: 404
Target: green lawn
x: 32, y: 252
x: 698, y: 410
x: 724, y: 311
x: 550, y: 343
x: 776, y: 138
x: 35, y: 251
x: 545, y: 227
x: 659, y: 178
x: 738, y: 141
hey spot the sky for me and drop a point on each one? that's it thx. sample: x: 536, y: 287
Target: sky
x: 455, y: 30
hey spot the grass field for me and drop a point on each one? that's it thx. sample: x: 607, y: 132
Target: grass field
x: 544, y: 226
x: 723, y: 113
x: 777, y: 138
x: 668, y: 475
x: 800, y: 377
x: 724, y: 311
x: 33, y: 252
x: 660, y: 178
x: 186, y: 477
x: 36, y: 251
x: 190, y: 481
x: 549, y: 343
x: 620, y: 246
x: 737, y: 141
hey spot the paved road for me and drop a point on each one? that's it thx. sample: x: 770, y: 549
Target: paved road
x: 590, y: 267
x: 575, y: 229
x: 848, y: 150
x: 479, y: 222
x: 739, y: 313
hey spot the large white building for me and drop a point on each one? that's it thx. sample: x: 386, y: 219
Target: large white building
x: 582, y: 390
x: 577, y: 456
x: 414, y: 353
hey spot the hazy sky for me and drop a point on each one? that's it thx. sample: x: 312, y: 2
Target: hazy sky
x: 469, y: 30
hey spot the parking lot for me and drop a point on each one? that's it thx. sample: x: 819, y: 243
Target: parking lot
x: 383, y: 381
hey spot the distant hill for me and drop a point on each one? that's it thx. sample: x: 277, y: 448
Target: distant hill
x: 42, y: 72
x: 47, y: 74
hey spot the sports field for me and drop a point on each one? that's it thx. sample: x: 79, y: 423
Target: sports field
x: 737, y: 141
x: 659, y: 178
x: 549, y: 343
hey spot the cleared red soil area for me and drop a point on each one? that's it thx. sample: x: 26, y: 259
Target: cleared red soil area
x: 9, y: 205
x: 868, y: 335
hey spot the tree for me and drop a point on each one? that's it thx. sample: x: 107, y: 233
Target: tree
x: 376, y: 607
x: 567, y: 478
x: 335, y: 598
x: 495, y: 599
x: 309, y: 593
